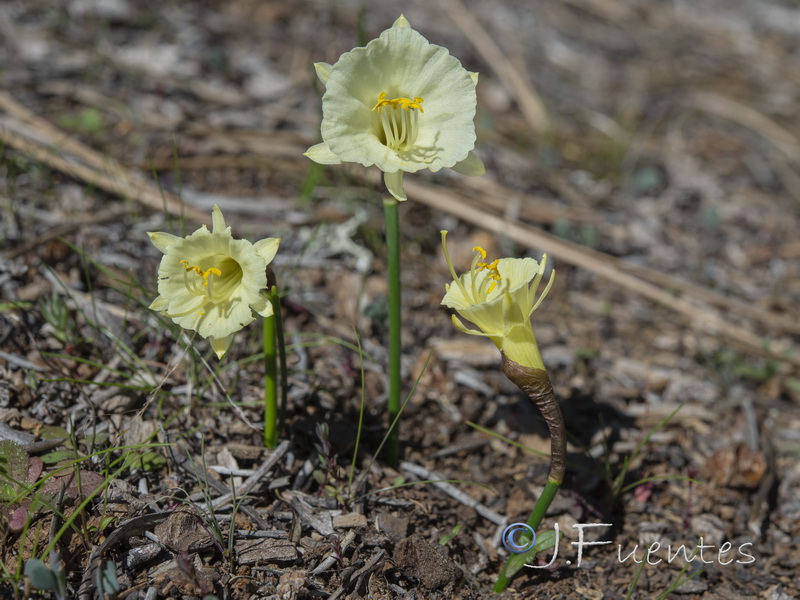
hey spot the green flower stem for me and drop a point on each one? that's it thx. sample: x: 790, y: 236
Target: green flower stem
x: 393, y: 255
x: 275, y: 299
x: 536, y: 385
x: 534, y: 520
x: 270, y: 384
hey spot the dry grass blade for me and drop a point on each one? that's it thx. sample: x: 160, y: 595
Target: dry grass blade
x: 515, y: 82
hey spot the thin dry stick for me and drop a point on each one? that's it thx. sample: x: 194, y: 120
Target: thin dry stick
x: 251, y: 482
x: 701, y: 317
x: 122, y: 533
x: 531, y: 207
x: 454, y: 492
x: 47, y: 133
x: 515, y: 83
x: 331, y: 559
x: 625, y: 274
x: 498, y: 197
x: 773, y: 321
x: 786, y: 144
x: 746, y: 116
x: 35, y: 137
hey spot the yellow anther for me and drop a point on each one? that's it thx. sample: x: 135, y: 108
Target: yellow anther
x: 494, y: 274
x: 201, y: 272
x: 481, y: 250
x: 381, y: 102
x: 492, y: 266
x: 405, y: 103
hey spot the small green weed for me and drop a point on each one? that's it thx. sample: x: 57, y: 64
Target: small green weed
x: 679, y: 580
x: 448, y: 537
x: 88, y: 121
x: 732, y: 365
x: 54, y: 310
x: 617, y: 482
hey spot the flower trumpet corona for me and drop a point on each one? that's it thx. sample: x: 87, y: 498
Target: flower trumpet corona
x: 211, y: 283
x: 499, y: 297
x: 400, y: 103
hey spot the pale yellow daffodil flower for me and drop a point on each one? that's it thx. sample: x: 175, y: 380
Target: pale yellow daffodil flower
x: 211, y: 283
x: 499, y: 297
x: 400, y: 103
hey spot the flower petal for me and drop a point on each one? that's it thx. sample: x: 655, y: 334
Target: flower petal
x: 497, y: 338
x: 323, y: 70
x: 516, y: 274
x: 263, y: 307
x: 267, y: 248
x: 225, y: 318
x: 472, y: 165
x: 517, y: 271
x: 487, y: 316
x: 394, y: 183
x: 464, y: 329
x: 322, y: 154
x: 253, y: 265
x: 159, y: 304
x: 221, y: 345
x: 189, y: 321
x: 401, y: 22
x: 162, y: 240
x: 217, y: 220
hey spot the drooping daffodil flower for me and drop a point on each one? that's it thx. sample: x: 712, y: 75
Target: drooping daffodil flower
x: 211, y: 283
x: 400, y: 103
x: 499, y: 297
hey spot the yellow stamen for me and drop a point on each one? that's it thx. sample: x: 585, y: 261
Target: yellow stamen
x: 481, y: 250
x: 201, y: 272
x: 494, y: 274
x: 450, y: 266
x: 405, y: 103
x: 398, y: 127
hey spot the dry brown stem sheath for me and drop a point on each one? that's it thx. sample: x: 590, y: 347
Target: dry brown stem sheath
x: 536, y: 384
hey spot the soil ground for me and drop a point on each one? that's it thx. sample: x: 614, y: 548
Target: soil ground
x: 651, y: 149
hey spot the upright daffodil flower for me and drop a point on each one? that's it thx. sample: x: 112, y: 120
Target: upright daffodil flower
x: 211, y: 283
x: 499, y: 297
x: 400, y: 103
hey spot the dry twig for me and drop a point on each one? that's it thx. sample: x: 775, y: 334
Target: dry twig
x: 35, y: 137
